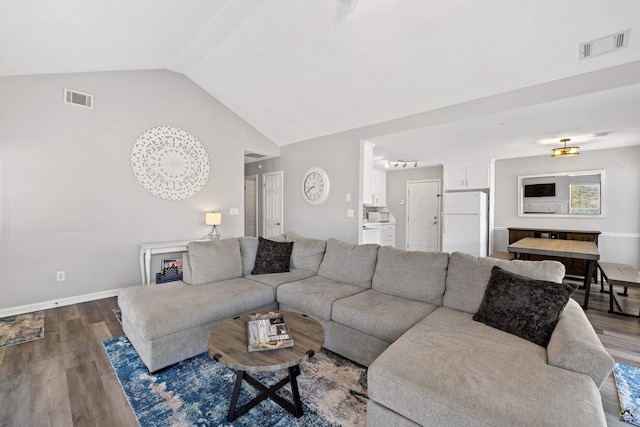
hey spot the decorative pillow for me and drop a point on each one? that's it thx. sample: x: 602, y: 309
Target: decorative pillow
x: 272, y: 257
x: 524, y: 307
x: 468, y: 275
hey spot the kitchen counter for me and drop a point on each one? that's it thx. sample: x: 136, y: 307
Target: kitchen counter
x: 377, y: 224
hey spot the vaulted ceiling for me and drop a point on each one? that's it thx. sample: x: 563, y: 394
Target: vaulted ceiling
x: 493, y: 77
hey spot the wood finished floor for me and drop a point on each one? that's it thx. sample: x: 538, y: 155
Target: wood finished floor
x: 66, y: 379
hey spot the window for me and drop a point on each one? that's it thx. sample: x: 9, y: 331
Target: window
x: 584, y: 199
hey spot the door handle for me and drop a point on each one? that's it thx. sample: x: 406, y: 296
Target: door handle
x: 277, y: 223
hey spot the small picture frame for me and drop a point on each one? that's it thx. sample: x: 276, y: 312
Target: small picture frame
x: 171, y: 263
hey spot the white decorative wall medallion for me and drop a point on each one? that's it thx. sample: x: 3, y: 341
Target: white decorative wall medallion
x: 170, y: 163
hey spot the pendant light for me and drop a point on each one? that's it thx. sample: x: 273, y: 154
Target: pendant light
x: 565, y: 151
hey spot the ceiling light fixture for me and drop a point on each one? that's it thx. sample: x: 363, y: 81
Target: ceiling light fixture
x: 401, y: 163
x: 565, y: 151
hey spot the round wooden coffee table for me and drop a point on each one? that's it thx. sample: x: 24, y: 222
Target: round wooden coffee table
x: 228, y: 346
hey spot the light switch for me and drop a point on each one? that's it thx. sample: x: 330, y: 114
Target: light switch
x: 233, y: 211
x: 350, y: 213
x: 348, y: 197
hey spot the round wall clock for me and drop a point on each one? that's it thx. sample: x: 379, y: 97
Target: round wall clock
x: 315, y: 186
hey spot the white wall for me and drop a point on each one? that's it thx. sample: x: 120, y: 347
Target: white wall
x: 339, y: 156
x: 620, y: 238
x: 68, y: 197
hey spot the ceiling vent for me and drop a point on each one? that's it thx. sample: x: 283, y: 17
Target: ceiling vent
x: 604, y: 45
x: 255, y: 156
x: 78, y: 98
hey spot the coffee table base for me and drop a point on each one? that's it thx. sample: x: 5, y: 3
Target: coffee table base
x: 295, y: 407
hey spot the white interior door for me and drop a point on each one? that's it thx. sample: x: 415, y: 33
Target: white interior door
x: 251, y: 206
x: 272, y: 216
x: 423, y: 215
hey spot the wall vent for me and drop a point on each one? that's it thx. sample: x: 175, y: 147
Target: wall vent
x: 604, y: 45
x: 255, y: 156
x: 78, y: 98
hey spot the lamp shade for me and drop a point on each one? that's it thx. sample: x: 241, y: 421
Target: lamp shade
x: 213, y: 218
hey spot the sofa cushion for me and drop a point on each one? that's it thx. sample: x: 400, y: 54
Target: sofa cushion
x: 315, y: 296
x: 156, y: 311
x: 276, y: 279
x: 414, y: 275
x: 349, y: 263
x: 214, y: 260
x: 248, y: 250
x: 524, y: 307
x: 450, y: 370
x: 307, y: 253
x: 380, y: 315
x: 272, y: 257
x: 460, y: 323
x: 468, y: 275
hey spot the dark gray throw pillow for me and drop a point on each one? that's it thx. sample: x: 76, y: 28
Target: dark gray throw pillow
x: 524, y: 307
x: 272, y: 257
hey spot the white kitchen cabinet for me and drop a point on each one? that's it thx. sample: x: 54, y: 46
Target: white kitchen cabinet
x: 467, y: 176
x: 372, y: 235
x: 388, y: 235
x: 379, y: 187
x: 367, y: 179
x: 374, y: 184
x: 383, y: 235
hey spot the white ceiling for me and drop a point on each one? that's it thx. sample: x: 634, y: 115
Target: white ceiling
x: 299, y: 69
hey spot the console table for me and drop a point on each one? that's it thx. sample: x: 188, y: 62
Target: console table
x: 148, y: 249
x: 573, y: 266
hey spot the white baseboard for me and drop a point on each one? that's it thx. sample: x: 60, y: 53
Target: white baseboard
x: 12, y: 311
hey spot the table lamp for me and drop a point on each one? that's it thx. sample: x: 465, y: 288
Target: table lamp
x: 213, y: 218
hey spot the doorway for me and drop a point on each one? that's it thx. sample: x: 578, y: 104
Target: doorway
x: 251, y: 206
x: 272, y: 221
x: 423, y: 215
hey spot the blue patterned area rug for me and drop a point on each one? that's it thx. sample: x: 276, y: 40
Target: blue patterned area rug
x: 628, y: 383
x: 197, y: 391
x: 21, y: 328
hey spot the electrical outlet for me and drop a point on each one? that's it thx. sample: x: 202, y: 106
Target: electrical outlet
x: 350, y: 213
x: 60, y: 276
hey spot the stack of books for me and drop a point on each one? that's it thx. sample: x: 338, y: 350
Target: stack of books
x: 268, y: 332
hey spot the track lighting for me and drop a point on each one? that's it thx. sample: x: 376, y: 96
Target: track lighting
x: 402, y: 163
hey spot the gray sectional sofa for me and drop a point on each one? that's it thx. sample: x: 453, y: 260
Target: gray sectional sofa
x: 408, y: 316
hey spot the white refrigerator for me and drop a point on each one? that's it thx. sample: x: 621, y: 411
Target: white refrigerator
x: 466, y: 226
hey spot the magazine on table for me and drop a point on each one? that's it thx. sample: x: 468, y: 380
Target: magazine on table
x: 268, y: 332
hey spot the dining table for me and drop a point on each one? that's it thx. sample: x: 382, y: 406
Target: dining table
x: 561, y: 248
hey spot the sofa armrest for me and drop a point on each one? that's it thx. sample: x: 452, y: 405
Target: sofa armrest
x: 186, y: 269
x: 575, y: 346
